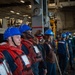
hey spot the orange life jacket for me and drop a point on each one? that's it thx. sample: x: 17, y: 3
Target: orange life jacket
x: 4, y: 67
x: 23, y: 66
x: 30, y: 49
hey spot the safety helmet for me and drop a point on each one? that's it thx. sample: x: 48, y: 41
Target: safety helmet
x: 63, y: 35
x: 68, y: 33
x: 24, y: 28
x: 49, y: 32
x: 11, y: 31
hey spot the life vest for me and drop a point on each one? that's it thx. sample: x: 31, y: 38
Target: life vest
x: 37, y: 51
x: 27, y: 47
x: 20, y: 62
x: 50, y: 57
x: 4, y: 67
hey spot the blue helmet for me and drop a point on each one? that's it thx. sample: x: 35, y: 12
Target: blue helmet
x: 49, y: 32
x: 63, y: 35
x: 24, y: 28
x: 68, y: 33
x: 11, y: 31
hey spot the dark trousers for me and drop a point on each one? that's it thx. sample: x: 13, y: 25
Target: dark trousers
x: 35, y: 68
x: 71, y: 59
x: 41, y: 71
x: 51, y: 68
x: 63, y: 61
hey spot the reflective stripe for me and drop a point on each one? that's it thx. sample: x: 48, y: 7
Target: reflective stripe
x: 25, y: 59
x: 61, y: 42
x: 5, y: 65
x: 69, y: 41
x: 49, y: 46
x: 2, y: 69
x: 36, y: 49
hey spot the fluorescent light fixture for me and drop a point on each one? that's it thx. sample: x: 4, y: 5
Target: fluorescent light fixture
x: 7, y: 17
x: 53, y: 4
x: 29, y: 17
x: 27, y: 22
x: 25, y: 15
x: 12, y: 11
x: 17, y: 13
x: 30, y: 6
x: 22, y: 1
x: 11, y: 18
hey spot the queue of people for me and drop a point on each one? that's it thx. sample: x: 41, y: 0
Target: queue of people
x: 23, y: 53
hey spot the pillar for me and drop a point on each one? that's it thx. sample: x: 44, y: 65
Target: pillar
x: 37, y: 17
x: 4, y: 23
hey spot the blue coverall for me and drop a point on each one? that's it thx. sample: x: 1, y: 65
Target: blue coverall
x: 69, y: 41
x: 62, y: 54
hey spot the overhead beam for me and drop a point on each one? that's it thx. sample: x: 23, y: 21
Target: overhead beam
x: 68, y: 8
x: 14, y: 4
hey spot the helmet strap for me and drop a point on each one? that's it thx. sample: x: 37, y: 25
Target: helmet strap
x: 29, y: 35
x: 13, y: 41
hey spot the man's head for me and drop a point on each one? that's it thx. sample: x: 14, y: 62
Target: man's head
x: 13, y: 36
x: 26, y: 31
x: 63, y: 36
x: 49, y: 34
x: 68, y: 34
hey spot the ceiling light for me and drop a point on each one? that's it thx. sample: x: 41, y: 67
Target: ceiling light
x: 12, y: 11
x: 29, y: 17
x: 6, y: 17
x: 11, y: 18
x: 27, y: 22
x: 25, y: 15
x: 53, y: 4
x: 22, y: 1
x: 30, y: 6
x: 17, y: 13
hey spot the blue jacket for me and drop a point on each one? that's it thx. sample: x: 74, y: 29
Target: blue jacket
x: 69, y: 41
x: 62, y: 49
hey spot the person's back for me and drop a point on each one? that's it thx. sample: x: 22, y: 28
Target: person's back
x: 62, y: 47
x: 63, y: 53
x: 74, y: 40
x: 73, y: 45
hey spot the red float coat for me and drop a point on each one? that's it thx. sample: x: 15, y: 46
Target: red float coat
x: 29, y: 46
x: 18, y: 57
x: 4, y: 64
